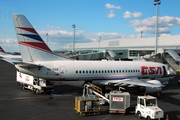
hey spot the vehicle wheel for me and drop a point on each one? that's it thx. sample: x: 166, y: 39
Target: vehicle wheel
x: 20, y: 85
x: 37, y: 91
x: 23, y: 87
x: 148, y: 118
x: 34, y: 90
x: 139, y: 115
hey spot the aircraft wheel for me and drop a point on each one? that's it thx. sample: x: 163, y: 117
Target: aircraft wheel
x: 38, y: 91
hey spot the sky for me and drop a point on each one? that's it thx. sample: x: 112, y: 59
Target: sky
x: 94, y: 20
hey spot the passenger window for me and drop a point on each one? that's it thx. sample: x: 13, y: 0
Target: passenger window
x: 89, y: 71
x: 79, y: 71
x: 83, y: 71
x: 86, y: 71
x: 102, y: 71
x: 93, y: 71
x: 119, y: 71
x: 116, y: 71
x: 76, y: 71
x: 105, y: 71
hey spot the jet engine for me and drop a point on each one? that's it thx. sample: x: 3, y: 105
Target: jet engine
x: 142, y: 89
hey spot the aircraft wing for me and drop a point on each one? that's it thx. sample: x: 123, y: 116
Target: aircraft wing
x: 132, y: 82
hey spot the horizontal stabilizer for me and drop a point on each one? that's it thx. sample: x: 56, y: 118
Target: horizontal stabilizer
x: 22, y: 64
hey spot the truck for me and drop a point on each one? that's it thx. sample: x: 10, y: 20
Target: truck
x: 118, y: 101
x: 147, y: 107
x: 37, y: 85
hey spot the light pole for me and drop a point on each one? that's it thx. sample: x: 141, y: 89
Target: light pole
x: 157, y: 3
x: 141, y: 33
x: 99, y: 41
x: 47, y: 37
x: 74, y: 26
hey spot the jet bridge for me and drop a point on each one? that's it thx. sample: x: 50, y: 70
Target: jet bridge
x: 173, y: 59
x: 169, y: 57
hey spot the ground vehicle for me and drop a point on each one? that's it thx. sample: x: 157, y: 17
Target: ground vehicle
x: 37, y: 85
x: 147, y: 108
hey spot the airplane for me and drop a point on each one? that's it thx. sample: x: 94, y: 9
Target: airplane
x: 4, y: 55
x: 39, y: 61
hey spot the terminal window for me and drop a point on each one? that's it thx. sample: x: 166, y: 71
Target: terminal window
x: 133, y: 53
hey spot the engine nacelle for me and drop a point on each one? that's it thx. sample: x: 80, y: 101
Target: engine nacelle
x: 151, y: 89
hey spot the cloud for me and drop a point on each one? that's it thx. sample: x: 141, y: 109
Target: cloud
x: 111, y: 14
x: 58, y: 38
x: 9, y: 44
x: 110, y: 6
x: 148, y: 25
x: 8, y: 41
x: 137, y: 14
x: 128, y: 14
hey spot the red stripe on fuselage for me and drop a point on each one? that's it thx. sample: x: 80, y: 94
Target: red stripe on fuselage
x: 28, y: 29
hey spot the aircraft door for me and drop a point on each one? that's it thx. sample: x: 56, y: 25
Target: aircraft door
x: 62, y: 72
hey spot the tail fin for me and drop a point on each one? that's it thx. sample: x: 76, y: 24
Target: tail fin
x: 2, y: 52
x: 31, y: 45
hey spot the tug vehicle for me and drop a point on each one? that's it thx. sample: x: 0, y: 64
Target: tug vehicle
x: 147, y: 107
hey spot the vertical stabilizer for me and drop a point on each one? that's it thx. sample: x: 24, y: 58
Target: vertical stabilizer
x: 2, y: 52
x: 31, y: 45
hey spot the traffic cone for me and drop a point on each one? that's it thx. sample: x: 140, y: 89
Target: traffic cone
x: 167, y: 117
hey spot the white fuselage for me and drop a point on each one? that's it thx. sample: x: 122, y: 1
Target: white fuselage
x: 95, y: 70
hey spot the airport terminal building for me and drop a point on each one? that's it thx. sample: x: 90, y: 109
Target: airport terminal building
x: 128, y: 48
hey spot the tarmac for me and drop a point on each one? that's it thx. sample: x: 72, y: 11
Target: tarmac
x: 18, y: 104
